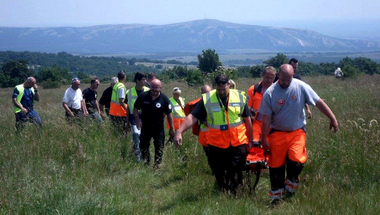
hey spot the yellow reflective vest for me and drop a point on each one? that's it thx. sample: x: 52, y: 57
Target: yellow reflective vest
x: 132, y: 96
x: 20, y: 89
x: 115, y: 108
x: 225, y: 127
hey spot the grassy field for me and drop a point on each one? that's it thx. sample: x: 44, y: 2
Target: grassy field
x: 65, y: 169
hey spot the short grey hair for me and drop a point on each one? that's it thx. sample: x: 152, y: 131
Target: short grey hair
x: 114, y: 80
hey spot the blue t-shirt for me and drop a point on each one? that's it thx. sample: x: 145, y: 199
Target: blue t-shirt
x: 285, y: 105
x: 27, y: 99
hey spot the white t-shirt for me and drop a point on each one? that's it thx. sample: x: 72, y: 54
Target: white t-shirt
x: 285, y: 105
x: 73, y: 98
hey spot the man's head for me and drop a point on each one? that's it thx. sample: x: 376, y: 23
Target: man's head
x: 285, y: 76
x: 268, y: 76
x: 151, y: 77
x: 232, y: 84
x: 222, y: 85
x: 121, y: 76
x: 114, y: 80
x: 95, y: 82
x: 155, y: 87
x: 30, y: 82
x: 140, y: 78
x: 205, y: 88
x: 176, y: 92
x: 75, y: 83
x: 294, y: 63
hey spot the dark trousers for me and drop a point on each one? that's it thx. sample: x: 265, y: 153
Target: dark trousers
x: 227, y: 166
x: 32, y: 116
x: 277, y: 175
x: 120, y: 123
x: 158, y: 141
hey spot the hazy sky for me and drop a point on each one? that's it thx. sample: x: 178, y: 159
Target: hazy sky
x: 296, y: 13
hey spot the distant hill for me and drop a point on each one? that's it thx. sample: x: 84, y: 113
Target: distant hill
x: 192, y: 37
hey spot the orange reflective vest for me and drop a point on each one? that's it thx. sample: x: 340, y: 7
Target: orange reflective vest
x: 225, y: 127
x: 115, y: 108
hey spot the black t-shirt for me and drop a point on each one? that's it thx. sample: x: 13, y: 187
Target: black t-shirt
x: 152, y: 111
x: 90, y: 98
x: 106, y: 97
x: 200, y: 111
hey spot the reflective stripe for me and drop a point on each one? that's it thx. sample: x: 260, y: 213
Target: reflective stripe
x: 204, y: 129
x: 277, y: 194
x: 209, y: 107
x: 178, y: 117
x: 291, y: 186
x: 233, y: 125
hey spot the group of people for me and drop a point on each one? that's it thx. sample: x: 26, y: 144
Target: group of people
x: 232, y: 126
x: 275, y: 106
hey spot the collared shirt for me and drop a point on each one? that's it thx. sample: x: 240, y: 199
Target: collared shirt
x: 285, y: 105
x: 152, y: 111
x: 73, y: 98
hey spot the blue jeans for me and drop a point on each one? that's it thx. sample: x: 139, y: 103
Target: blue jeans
x: 32, y: 116
x: 96, y: 116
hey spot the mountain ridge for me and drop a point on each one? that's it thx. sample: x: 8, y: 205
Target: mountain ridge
x: 190, y: 36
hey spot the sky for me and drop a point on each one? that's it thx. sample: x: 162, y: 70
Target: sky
x: 350, y: 17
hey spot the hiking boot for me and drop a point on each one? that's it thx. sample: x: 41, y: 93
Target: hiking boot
x: 289, y: 194
x: 275, y: 202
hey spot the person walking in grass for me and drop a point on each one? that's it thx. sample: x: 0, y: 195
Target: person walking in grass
x: 178, y: 111
x: 118, y: 107
x: 105, y: 100
x: 228, y: 120
x: 23, y: 98
x: 153, y: 105
x: 255, y: 95
x: 283, y: 130
x: 132, y: 94
x: 90, y: 97
x: 73, y: 102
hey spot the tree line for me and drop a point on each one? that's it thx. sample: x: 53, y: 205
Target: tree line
x: 52, y: 70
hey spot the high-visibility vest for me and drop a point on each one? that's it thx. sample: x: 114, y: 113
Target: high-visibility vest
x: 20, y: 89
x: 178, y: 112
x: 225, y: 127
x: 115, y: 108
x: 202, y: 138
x: 132, y: 96
x: 255, y: 96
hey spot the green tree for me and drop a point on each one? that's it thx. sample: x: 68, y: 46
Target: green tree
x: 52, y: 77
x: 208, y: 61
x: 14, y: 72
x: 277, y: 61
x: 350, y: 71
x: 194, y: 78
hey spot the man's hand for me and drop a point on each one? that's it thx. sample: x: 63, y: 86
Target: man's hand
x: 171, y: 132
x: 334, y: 124
x: 309, y: 114
x: 24, y: 110
x: 178, y: 138
x: 138, y: 124
x: 265, y: 145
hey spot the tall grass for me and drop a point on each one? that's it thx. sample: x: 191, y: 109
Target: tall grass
x: 90, y: 169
